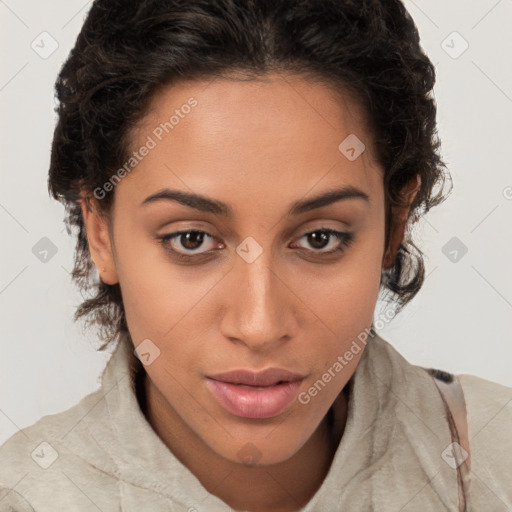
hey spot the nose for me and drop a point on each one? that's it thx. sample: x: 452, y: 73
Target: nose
x: 259, y: 305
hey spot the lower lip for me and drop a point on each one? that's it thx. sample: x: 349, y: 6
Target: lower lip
x: 254, y: 402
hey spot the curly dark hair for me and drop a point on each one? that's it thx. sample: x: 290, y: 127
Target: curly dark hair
x: 128, y: 50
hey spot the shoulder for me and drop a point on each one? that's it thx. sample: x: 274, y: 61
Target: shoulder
x: 40, y: 454
x: 18, y: 450
x: 489, y: 406
x: 489, y: 413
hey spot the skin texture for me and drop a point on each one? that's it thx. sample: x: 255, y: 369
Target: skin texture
x: 258, y: 146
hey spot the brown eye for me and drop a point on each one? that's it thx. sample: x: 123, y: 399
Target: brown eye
x: 192, y: 240
x: 318, y: 239
x: 185, y: 244
x: 330, y: 238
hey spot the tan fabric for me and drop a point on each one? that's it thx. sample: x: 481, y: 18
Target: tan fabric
x: 457, y: 416
x: 489, y: 412
x: 392, y: 456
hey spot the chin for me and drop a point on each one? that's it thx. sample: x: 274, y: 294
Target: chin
x: 258, y: 451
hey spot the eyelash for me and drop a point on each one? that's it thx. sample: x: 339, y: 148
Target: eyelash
x: 346, y: 238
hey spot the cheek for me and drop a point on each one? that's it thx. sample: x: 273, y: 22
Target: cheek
x: 163, y: 300
x: 344, y: 305
x: 152, y: 291
x: 344, y: 297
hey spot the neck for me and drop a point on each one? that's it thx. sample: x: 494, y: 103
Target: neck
x: 283, y: 487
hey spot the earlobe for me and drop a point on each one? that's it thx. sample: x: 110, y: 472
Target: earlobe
x: 99, y: 240
x: 398, y: 221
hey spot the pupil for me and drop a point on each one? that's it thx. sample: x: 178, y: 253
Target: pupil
x: 193, y: 237
x: 319, y: 239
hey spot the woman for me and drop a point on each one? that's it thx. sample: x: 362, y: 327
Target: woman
x: 244, y: 175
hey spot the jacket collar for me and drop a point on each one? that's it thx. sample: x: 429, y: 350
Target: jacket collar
x: 390, y: 451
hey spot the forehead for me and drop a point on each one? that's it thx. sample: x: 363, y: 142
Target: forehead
x: 276, y: 102
x: 223, y: 135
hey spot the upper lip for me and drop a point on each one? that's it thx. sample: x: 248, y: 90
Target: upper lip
x: 268, y: 377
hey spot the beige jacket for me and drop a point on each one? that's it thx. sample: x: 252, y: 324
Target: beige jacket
x: 396, y: 453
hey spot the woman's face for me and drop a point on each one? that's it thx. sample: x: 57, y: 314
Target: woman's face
x: 262, y: 284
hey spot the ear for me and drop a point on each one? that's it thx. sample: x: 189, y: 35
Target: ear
x: 398, y: 222
x: 99, y: 240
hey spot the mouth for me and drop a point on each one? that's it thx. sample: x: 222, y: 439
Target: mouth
x: 247, y: 394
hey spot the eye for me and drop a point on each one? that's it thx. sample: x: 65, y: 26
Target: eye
x: 186, y: 245
x: 328, y: 238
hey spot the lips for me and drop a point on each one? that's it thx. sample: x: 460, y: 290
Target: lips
x: 255, y: 395
x: 268, y: 377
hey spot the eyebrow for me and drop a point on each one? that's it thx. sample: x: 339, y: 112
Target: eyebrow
x: 206, y: 204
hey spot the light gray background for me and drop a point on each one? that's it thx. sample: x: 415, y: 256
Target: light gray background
x: 461, y: 319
